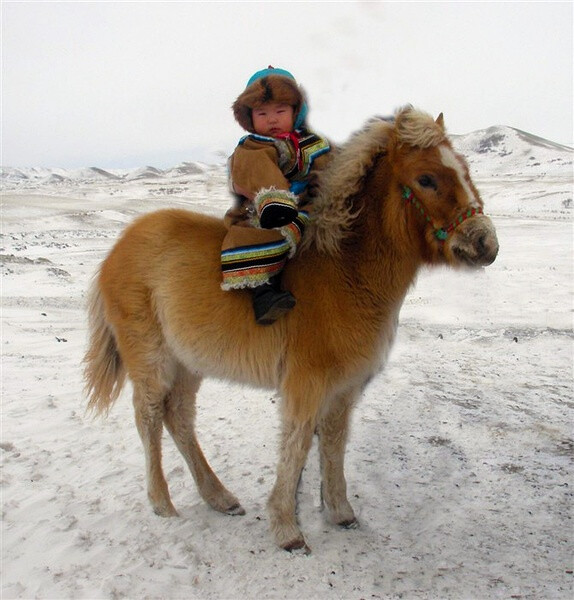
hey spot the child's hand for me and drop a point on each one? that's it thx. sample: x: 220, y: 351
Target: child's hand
x: 275, y: 208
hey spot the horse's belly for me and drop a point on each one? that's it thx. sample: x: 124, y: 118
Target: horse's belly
x: 239, y: 353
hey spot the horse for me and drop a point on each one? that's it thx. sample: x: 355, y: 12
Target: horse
x: 395, y: 196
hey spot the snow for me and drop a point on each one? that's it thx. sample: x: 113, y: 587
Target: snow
x: 459, y: 463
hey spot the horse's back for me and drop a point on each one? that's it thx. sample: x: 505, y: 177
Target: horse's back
x: 150, y: 236
x: 145, y: 253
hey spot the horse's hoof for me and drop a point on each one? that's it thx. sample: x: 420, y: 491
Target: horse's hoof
x: 298, y: 546
x: 235, y: 510
x: 165, y: 511
x: 349, y: 524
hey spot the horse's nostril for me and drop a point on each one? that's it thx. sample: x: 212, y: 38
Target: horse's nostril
x: 480, y: 243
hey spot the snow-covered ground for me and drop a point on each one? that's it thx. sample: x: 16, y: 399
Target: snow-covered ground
x: 460, y: 460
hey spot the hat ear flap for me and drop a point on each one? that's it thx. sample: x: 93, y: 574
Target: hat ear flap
x: 302, y: 108
x: 301, y: 116
x: 242, y: 114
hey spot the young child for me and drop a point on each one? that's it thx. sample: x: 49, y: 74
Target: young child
x: 268, y: 171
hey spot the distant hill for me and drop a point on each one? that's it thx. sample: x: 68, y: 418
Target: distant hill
x: 505, y: 151
x: 13, y: 176
x: 498, y: 151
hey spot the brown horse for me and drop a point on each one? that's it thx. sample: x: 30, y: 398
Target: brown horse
x: 395, y: 197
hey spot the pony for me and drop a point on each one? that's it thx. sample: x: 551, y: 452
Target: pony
x: 394, y: 197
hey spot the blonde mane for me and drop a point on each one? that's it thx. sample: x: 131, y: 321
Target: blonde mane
x: 343, y: 178
x: 419, y: 129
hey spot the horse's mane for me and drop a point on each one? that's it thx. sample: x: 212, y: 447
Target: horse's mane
x: 343, y: 178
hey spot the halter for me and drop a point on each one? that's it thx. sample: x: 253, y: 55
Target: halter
x: 440, y: 233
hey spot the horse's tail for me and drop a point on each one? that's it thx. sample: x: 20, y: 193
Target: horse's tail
x: 104, y: 371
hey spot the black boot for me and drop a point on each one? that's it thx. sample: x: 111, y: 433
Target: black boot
x: 270, y: 302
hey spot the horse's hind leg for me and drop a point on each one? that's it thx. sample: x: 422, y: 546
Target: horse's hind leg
x: 179, y: 419
x: 149, y: 409
x: 332, y: 428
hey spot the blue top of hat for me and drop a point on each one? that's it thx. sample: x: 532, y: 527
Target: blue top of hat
x: 269, y: 71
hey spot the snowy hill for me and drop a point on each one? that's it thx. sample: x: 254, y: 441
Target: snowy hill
x: 505, y: 151
x: 27, y: 177
x: 497, y: 151
x: 42, y: 175
x: 506, y: 163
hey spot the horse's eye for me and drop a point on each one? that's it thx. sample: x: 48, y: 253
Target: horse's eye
x: 427, y: 181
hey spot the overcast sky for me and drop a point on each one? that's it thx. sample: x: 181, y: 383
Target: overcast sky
x: 128, y: 84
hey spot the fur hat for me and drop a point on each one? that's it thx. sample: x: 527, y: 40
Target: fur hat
x: 269, y: 85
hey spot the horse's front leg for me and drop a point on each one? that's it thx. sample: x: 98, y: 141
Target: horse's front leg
x: 333, y: 428
x: 296, y: 440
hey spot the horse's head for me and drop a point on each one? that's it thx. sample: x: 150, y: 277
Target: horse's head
x: 440, y: 199
x: 407, y: 169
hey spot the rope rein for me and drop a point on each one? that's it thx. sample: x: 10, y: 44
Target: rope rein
x: 440, y: 233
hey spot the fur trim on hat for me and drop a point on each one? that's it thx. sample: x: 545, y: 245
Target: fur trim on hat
x: 271, y: 88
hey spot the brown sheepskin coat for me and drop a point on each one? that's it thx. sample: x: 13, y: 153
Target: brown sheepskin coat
x: 253, y: 166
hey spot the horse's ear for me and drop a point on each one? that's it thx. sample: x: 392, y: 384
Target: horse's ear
x: 440, y: 121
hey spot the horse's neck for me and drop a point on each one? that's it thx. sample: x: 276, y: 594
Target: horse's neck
x: 381, y: 254
x: 368, y: 276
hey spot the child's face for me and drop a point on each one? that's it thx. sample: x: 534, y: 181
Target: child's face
x: 272, y: 119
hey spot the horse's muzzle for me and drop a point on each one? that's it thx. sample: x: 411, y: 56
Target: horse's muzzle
x: 474, y: 242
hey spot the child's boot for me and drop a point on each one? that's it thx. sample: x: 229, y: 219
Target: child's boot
x: 271, y: 302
